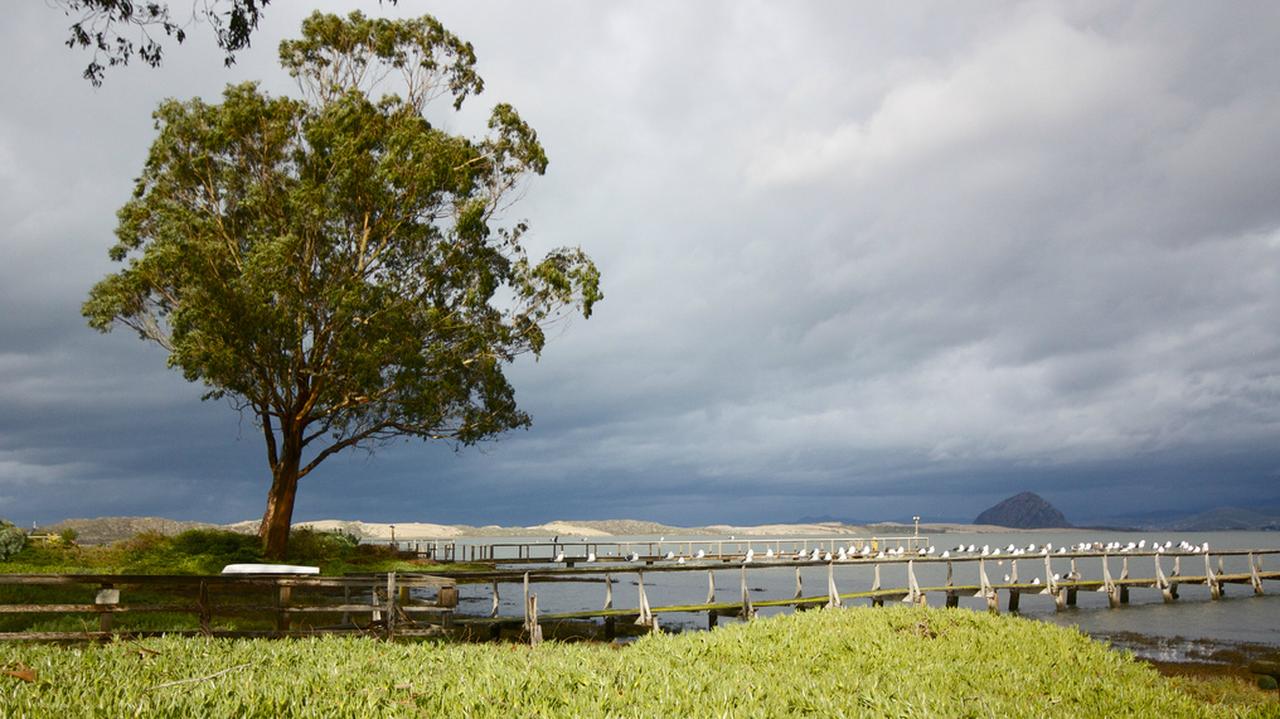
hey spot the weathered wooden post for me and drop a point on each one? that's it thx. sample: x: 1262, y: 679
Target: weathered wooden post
x: 392, y: 598
x: 833, y: 596
x: 646, y: 618
x: 953, y: 599
x: 105, y: 601
x: 1075, y: 577
x: 283, y: 596
x: 914, y: 595
x: 1109, y: 584
x: 748, y: 611
x: 1215, y: 587
x: 986, y: 590
x: 346, y: 601
x: 876, y: 599
x: 1254, y: 577
x: 1162, y: 582
x: 206, y: 611
x: 1124, y: 575
x: 1015, y: 596
x: 1177, y: 572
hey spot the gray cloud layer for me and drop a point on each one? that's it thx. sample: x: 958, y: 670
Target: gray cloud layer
x: 862, y: 261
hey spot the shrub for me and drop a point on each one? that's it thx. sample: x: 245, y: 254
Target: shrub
x: 12, y: 540
x: 68, y: 536
x: 232, y: 546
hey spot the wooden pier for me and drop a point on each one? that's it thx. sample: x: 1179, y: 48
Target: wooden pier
x: 1056, y: 575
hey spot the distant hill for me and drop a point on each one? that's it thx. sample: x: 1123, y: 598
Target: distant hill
x: 1227, y: 518
x: 1027, y: 510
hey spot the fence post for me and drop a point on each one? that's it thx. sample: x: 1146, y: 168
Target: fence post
x: 392, y: 600
x: 284, y: 595
x: 106, y: 600
x: 748, y: 611
x: 833, y: 596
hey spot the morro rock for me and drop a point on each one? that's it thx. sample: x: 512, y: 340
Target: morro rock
x: 1023, y: 511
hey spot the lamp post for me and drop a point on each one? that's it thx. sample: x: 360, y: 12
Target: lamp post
x: 916, y: 519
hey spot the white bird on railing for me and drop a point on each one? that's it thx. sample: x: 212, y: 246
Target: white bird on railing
x: 1035, y: 580
x: 670, y: 556
x: 635, y: 557
x: 591, y: 556
x: 1056, y: 576
x: 842, y: 555
x: 559, y: 557
x: 1062, y: 550
x: 1010, y: 548
x: 751, y: 555
x: 769, y: 553
x: 1142, y: 544
x: 1031, y: 547
x: 995, y: 553
x: 946, y: 553
x: 816, y: 554
x: 971, y: 549
x: 680, y: 560
x: 701, y: 553
x: 826, y: 557
x: 958, y: 549
x: 866, y: 551
x: 986, y: 551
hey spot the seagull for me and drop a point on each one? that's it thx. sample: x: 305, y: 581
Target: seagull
x: 816, y: 554
x: 1056, y: 576
x: 635, y: 557
x: 1031, y: 547
x: 1062, y: 550
x: 559, y: 557
x: 1006, y: 579
x: 826, y: 557
x: 680, y: 560
x: 591, y: 556
x: 769, y: 554
x: 866, y: 551
x: 945, y: 554
x: 701, y: 553
x: 751, y: 554
x: 670, y: 556
x: 842, y: 555
x: 1036, y: 580
x: 986, y: 551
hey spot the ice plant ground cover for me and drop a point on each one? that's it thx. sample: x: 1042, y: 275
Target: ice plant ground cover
x: 900, y: 661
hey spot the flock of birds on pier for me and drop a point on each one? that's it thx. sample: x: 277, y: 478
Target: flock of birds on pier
x: 866, y: 551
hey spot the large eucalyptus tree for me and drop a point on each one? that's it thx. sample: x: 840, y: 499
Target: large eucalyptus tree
x: 334, y: 264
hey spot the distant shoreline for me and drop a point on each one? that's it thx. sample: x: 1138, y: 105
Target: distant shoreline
x: 104, y: 530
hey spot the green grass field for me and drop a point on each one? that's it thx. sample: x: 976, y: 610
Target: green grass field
x: 907, y: 662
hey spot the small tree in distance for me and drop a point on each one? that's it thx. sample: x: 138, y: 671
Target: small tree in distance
x: 332, y: 265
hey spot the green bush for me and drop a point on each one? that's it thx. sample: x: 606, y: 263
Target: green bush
x: 12, y: 540
x: 233, y: 546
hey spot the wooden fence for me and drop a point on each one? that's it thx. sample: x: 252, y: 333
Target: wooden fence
x: 278, y: 599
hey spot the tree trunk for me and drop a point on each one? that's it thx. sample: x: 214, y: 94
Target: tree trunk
x: 274, y: 529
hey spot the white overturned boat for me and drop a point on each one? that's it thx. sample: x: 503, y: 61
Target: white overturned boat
x: 269, y: 569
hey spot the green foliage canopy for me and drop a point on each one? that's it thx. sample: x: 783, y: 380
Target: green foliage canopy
x: 335, y: 264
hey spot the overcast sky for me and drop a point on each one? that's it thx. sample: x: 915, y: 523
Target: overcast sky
x: 861, y: 260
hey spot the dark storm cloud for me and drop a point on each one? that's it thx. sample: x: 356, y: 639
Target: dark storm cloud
x: 859, y: 261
